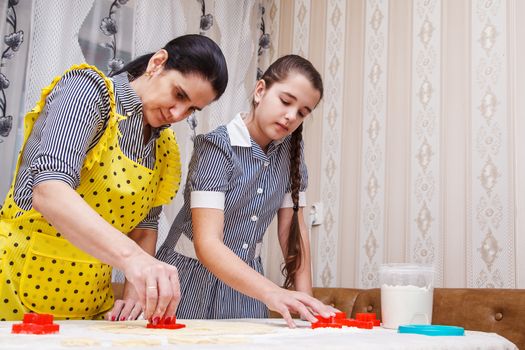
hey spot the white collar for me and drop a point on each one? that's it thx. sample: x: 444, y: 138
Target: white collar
x: 239, y: 134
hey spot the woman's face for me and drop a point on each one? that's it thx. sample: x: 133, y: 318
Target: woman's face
x: 284, y: 106
x: 169, y: 96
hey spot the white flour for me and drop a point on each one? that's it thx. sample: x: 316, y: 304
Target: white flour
x: 405, y: 305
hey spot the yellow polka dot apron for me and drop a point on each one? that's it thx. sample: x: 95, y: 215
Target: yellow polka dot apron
x: 42, y: 272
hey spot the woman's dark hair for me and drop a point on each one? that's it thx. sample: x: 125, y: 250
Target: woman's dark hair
x: 277, y: 72
x: 189, y: 54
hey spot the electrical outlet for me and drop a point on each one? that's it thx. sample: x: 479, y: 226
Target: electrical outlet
x: 317, y: 213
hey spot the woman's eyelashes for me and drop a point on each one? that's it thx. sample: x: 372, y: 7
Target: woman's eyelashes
x: 180, y: 96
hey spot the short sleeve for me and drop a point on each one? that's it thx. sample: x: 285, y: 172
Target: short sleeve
x: 209, y: 171
x: 73, y: 115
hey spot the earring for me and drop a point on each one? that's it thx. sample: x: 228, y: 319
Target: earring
x: 147, y: 74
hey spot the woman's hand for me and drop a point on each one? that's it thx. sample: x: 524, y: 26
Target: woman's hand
x: 127, y: 308
x: 287, y: 302
x: 155, y: 283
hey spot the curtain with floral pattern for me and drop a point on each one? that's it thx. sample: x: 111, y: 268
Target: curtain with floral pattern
x: 14, y: 47
x: 42, y: 38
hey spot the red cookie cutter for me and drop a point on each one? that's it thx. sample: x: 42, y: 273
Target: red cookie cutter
x: 368, y: 317
x: 36, y: 324
x: 363, y: 320
x: 166, y: 323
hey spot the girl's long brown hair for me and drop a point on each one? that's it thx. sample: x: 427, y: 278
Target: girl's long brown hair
x: 277, y: 72
x: 294, y: 246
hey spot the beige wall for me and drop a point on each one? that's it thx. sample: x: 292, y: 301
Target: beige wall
x: 417, y: 151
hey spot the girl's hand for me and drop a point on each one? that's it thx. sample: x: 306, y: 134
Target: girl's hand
x: 155, y: 283
x: 330, y: 308
x: 286, y: 302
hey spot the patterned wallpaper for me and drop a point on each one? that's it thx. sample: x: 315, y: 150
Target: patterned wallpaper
x: 332, y: 122
x: 491, y: 244
x: 301, y: 27
x: 371, y: 210
x: 444, y: 77
x: 456, y: 207
x: 424, y: 241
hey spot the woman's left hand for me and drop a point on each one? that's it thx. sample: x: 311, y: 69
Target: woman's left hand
x: 128, y: 308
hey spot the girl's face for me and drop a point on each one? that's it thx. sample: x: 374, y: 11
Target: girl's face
x: 169, y: 96
x: 281, y: 108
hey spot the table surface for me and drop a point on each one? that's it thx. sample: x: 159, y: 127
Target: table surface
x: 238, y: 334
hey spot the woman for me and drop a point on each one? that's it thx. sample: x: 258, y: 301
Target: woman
x: 97, y: 163
x: 241, y: 176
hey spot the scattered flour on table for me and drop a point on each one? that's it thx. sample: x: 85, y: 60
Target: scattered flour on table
x: 79, y: 342
x: 136, y: 342
x: 193, y: 327
x: 187, y: 339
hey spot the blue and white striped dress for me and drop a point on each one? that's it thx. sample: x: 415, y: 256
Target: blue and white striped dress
x: 229, y: 170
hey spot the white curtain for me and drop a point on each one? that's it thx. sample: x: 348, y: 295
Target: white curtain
x: 3, y: 14
x: 60, y: 33
x: 107, y: 33
x: 239, y: 45
x: 169, y: 20
x: 14, y: 47
x: 54, y: 43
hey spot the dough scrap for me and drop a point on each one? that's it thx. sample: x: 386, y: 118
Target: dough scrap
x: 133, y: 327
x: 136, y: 342
x: 193, y: 327
x: 80, y: 342
x: 186, y: 339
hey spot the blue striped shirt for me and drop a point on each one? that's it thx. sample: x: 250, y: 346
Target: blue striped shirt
x: 71, y: 123
x: 229, y: 170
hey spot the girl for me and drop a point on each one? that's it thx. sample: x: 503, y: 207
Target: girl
x: 241, y: 175
x: 98, y: 161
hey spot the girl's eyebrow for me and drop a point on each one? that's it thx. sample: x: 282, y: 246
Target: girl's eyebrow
x: 290, y: 95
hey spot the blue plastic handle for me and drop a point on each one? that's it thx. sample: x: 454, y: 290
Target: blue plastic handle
x: 432, y: 330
